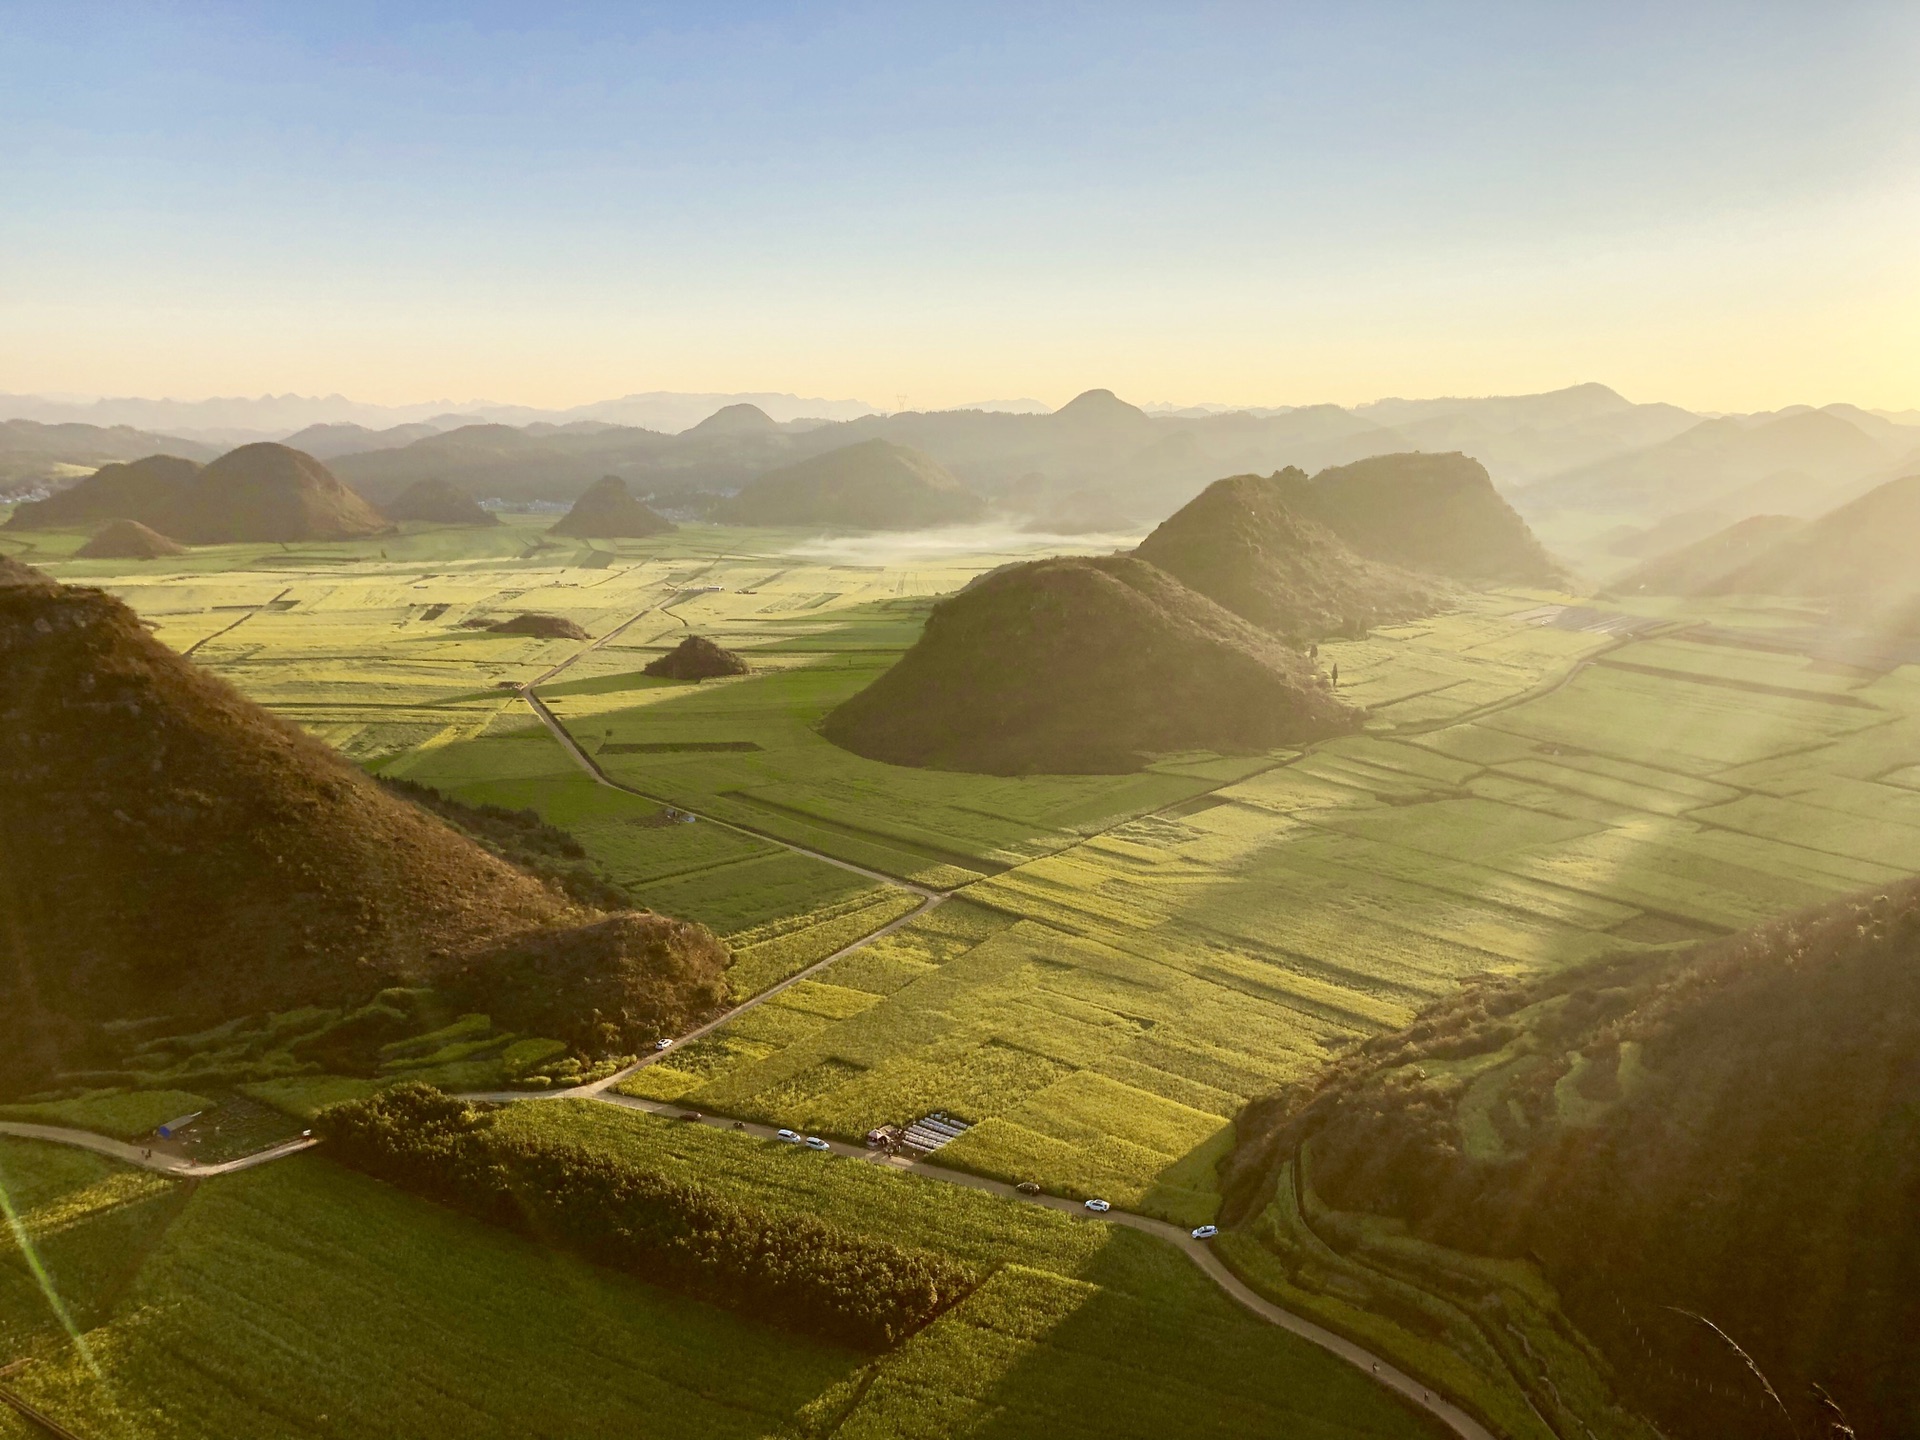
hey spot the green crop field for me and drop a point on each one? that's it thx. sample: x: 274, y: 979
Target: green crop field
x: 301, y: 1299
x: 1124, y: 960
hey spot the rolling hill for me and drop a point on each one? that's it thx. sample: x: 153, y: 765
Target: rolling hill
x: 170, y: 849
x: 1438, y: 513
x: 268, y: 492
x: 128, y: 540
x: 146, y: 490
x: 1239, y: 544
x: 1865, y: 547
x: 1083, y: 666
x: 875, y: 485
x: 438, y: 502
x: 1729, y: 1132
x: 1701, y: 566
x: 608, y: 512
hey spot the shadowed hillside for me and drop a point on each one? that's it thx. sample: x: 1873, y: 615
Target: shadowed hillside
x: 268, y: 492
x: 1731, y: 1131
x: 170, y: 849
x: 608, y: 512
x: 128, y: 540
x: 1438, y: 513
x: 875, y: 485
x: 144, y: 490
x: 1239, y: 544
x: 1083, y: 666
x: 438, y: 502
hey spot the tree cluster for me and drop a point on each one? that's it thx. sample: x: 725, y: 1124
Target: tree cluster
x: 790, y: 1270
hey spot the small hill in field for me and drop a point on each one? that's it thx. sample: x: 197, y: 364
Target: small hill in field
x: 1437, y: 513
x: 1083, y: 666
x: 609, y: 512
x: 1703, y: 565
x: 128, y: 540
x: 875, y: 485
x: 696, y: 658
x: 268, y: 492
x: 543, y: 627
x: 1732, y: 1130
x: 170, y: 849
x: 1865, y: 547
x: 1239, y: 543
x: 438, y: 502
x: 144, y: 490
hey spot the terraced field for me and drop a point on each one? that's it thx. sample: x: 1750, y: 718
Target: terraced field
x: 1126, y: 959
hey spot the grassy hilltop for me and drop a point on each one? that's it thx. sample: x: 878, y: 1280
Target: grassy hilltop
x: 1729, y: 1131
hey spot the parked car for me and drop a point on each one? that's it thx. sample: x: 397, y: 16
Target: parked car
x: 814, y: 1142
x: 1206, y: 1232
x: 689, y: 1114
x: 1027, y: 1187
x: 1099, y: 1207
x: 662, y: 1043
x: 792, y: 1137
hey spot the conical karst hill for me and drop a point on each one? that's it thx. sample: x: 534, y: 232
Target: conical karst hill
x: 1436, y: 513
x: 874, y: 485
x: 128, y: 540
x: 144, y: 490
x: 1078, y: 666
x: 608, y: 511
x: 438, y: 502
x: 1729, y: 1131
x: 696, y: 658
x: 1240, y: 544
x: 268, y: 492
x: 170, y: 849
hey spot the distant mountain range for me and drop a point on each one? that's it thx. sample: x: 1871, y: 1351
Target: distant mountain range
x: 1589, y: 469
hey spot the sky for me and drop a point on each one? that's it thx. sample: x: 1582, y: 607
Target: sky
x: 918, y: 205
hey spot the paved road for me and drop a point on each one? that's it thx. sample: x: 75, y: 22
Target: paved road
x: 148, y: 1159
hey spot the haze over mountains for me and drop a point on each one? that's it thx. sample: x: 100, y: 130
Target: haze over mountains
x: 1564, y: 457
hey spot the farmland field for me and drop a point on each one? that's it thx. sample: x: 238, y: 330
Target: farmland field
x: 302, y: 1299
x: 1123, y: 961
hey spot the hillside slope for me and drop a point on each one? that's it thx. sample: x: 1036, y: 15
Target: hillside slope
x: 128, y: 540
x: 168, y: 848
x: 1239, y: 544
x: 144, y: 490
x: 1083, y: 666
x: 268, y: 492
x: 875, y: 485
x: 1438, y: 513
x: 1701, y: 566
x: 1731, y: 1131
x: 1865, y: 547
x: 608, y: 512
x: 438, y: 502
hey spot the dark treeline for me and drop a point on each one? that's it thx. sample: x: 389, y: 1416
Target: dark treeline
x: 789, y: 1270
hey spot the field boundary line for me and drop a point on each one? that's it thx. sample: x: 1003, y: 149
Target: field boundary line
x: 32, y: 1415
x: 226, y: 629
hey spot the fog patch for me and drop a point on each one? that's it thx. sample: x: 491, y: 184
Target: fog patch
x: 999, y: 538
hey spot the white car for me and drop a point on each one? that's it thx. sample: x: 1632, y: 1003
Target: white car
x: 1206, y: 1232
x: 814, y: 1142
x: 661, y: 1044
x: 1099, y: 1207
x: 792, y: 1137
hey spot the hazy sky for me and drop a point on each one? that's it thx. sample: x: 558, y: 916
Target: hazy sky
x: 1277, y: 203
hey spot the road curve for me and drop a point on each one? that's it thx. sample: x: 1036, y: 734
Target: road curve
x: 147, y: 1159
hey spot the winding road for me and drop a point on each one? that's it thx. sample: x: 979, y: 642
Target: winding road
x: 1199, y: 1252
